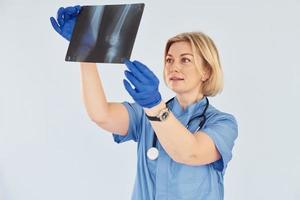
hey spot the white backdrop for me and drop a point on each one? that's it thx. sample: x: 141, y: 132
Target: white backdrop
x: 50, y: 149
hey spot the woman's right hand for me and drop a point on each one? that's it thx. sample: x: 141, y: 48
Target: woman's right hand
x: 66, y: 19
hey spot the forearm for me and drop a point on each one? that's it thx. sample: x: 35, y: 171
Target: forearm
x: 176, y: 139
x: 92, y: 92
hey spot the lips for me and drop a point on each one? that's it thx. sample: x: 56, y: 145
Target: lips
x: 176, y: 78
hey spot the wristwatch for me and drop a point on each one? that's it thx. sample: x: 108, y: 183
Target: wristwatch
x: 162, y: 115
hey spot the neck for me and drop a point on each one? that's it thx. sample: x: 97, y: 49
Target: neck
x: 188, y: 99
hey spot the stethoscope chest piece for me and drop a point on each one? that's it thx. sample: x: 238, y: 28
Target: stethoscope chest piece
x: 152, y: 153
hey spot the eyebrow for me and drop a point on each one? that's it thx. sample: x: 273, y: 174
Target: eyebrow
x: 184, y: 54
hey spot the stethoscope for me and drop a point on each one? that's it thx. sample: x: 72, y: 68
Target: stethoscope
x: 153, y: 152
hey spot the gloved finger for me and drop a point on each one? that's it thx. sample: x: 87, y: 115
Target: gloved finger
x: 67, y: 17
x: 71, y: 12
x: 133, y: 79
x: 135, y: 71
x: 60, y: 16
x: 55, y: 25
x: 128, y: 87
x: 145, y: 70
x: 78, y: 8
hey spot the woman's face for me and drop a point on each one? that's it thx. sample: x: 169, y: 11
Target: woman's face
x: 181, y: 74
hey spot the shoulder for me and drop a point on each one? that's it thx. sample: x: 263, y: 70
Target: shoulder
x: 133, y: 107
x: 135, y: 111
x: 221, y: 126
x: 214, y: 115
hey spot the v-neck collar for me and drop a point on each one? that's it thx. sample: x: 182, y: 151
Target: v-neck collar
x: 189, y: 110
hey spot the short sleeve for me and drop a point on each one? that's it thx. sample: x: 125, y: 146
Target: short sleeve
x: 135, y: 117
x: 223, y: 130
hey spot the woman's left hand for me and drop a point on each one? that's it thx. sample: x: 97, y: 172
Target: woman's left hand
x: 145, y: 82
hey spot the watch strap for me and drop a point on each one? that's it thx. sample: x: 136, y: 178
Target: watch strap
x: 158, y: 117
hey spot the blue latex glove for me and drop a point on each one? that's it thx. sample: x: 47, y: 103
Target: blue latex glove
x: 66, y: 19
x: 145, y: 82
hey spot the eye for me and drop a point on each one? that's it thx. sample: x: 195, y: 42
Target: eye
x: 185, y: 60
x: 169, y: 60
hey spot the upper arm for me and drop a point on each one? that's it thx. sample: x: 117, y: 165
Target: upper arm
x: 222, y: 130
x: 207, y: 151
x: 116, y: 120
x: 215, y: 141
x: 203, y: 151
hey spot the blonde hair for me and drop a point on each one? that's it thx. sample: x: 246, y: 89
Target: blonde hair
x: 204, y: 46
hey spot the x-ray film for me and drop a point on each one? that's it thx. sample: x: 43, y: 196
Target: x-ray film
x: 105, y: 34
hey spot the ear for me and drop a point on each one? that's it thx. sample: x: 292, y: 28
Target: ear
x: 205, y: 74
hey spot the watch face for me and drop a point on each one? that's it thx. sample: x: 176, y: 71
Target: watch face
x: 164, y: 115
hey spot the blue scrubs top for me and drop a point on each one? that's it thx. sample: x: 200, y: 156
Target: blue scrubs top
x: 165, y: 178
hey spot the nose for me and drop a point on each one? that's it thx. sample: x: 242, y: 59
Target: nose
x: 175, y: 66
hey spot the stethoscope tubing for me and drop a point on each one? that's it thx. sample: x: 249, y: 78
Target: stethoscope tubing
x: 202, y: 121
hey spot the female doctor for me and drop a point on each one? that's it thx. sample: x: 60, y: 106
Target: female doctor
x: 184, y: 144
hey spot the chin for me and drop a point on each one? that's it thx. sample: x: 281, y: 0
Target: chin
x: 181, y: 90
x: 178, y: 90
